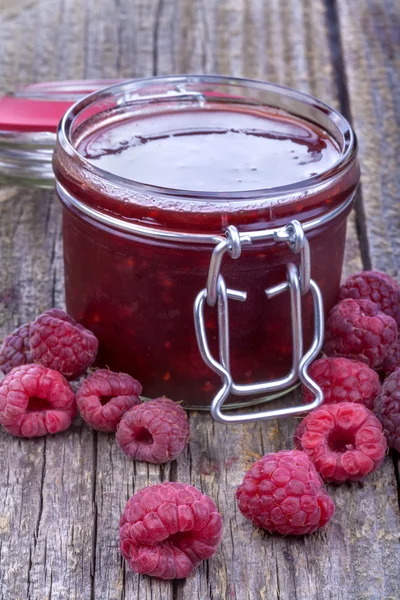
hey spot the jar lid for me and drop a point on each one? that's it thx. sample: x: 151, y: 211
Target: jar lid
x: 28, y: 124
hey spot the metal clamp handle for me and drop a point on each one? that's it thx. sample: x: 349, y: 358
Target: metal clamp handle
x: 298, y: 284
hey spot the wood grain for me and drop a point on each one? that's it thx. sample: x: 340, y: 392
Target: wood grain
x: 347, y: 560
x: 61, y: 498
x: 46, y: 487
x: 371, y: 51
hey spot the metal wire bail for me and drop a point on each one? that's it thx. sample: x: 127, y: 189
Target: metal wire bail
x: 298, y: 283
x: 232, y: 244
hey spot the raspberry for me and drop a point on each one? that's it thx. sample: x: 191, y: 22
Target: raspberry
x: 284, y: 494
x: 15, y: 350
x: 156, y: 431
x: 105, y: 396
x: 387, y: 409
x: 376, y: 287
x: 358, y: 329
x: 35, y: 401
x: 166, y: 530
x: 344, y: 380
x: 345, y: 441
x: 60, y: 343
x: 392, y: 359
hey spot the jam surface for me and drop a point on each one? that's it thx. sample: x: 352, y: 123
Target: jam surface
x: 212, y: 150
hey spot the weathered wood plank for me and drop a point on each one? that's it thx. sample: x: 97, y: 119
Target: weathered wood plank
x: 46, y: 488
x: 370, y: 42
x: 22, y: 468
x: 117, y: 479
x: 61, y: 556
x: 371, y: 50
x: 76, y: 484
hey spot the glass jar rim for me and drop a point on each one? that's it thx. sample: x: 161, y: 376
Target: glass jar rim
x: 290, y: 192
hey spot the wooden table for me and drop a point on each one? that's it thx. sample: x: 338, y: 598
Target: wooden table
x: 61, y: 497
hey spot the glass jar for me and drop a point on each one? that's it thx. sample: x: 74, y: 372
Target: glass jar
x: 28, y: 124
x: 138, y: 254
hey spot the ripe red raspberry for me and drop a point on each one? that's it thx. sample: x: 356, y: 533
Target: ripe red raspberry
x: 345, y: 441
x: 166, y: 530
x: 60, y: 343
x: 392, y: 359
x: 358, y: 329
x: 377, y: 287
x: 35, y: 401
x: 105, y: 396
x: 15, y: 350
x: 344, y: 380
x: 284, y: 494
x: 387, y: 409
x: 156, y: 431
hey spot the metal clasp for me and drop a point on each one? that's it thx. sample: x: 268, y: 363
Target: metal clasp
x: 298, y: 283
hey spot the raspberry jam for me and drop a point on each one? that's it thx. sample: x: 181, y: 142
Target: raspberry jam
x: 193, y: 155
x: 212, y: 149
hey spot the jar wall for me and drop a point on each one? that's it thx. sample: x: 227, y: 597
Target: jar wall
x: 137, y: 297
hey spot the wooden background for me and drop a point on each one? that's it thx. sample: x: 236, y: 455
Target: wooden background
x: 61, y: 497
